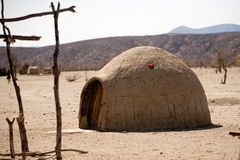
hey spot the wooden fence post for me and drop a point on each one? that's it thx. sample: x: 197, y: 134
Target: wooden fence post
x: 10, y: 124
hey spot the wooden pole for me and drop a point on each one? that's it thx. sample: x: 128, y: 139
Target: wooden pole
x: 18, y: 37
x: 22, y: 129
x: 56, y: 74
x: 71, y: 9
x: 10, y: 124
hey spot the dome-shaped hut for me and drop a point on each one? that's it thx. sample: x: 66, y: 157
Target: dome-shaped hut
x: 144, y: 88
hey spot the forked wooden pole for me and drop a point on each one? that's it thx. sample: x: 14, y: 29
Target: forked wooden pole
x: 10, y: 124
x: 56, y: 74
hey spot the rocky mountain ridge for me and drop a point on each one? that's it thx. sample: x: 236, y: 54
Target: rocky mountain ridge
x: 207, y: 30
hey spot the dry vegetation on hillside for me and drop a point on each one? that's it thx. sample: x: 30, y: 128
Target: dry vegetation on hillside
x: 94, y: 54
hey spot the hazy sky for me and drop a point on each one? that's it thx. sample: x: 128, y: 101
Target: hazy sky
x: 105, y: 18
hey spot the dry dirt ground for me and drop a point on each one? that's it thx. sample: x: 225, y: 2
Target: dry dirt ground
x: 199, y: 143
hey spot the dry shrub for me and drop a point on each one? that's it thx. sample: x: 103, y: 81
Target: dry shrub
x: 72, y: 78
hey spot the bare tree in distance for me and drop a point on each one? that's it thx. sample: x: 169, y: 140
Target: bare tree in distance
x: 236, y: 54
x: 222, y: 61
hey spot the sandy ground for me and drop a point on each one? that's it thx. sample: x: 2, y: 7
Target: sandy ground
x: 212, y: 143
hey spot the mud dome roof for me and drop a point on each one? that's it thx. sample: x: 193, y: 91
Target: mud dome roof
x: 144, y: 88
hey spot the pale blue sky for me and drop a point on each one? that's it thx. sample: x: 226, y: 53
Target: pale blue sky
x: 105, y: 18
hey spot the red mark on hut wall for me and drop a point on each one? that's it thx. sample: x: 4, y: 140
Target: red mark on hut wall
x: 151, y: 66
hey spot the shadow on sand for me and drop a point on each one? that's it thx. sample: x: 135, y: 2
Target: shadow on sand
x: 206, y: 127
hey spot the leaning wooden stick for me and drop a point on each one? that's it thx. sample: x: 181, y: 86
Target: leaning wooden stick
x: 35, y: 154
x: 10, y: 124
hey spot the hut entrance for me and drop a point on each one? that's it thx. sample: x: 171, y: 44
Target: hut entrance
x: 91, y: 104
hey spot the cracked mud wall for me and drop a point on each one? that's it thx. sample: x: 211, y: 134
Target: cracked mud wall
x: 181, y: 104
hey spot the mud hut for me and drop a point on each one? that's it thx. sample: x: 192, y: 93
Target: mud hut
x: 47, y: 70
x: 144, y: 88
x: 33, y: 70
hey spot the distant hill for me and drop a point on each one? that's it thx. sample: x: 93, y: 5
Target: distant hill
x: 94, y: 54
x: 207, y: 30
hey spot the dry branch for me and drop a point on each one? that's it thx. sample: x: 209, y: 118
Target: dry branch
x: 18, y: 37
x: 222, y: 60
x: 71, y: 9
x: 34, y: 154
